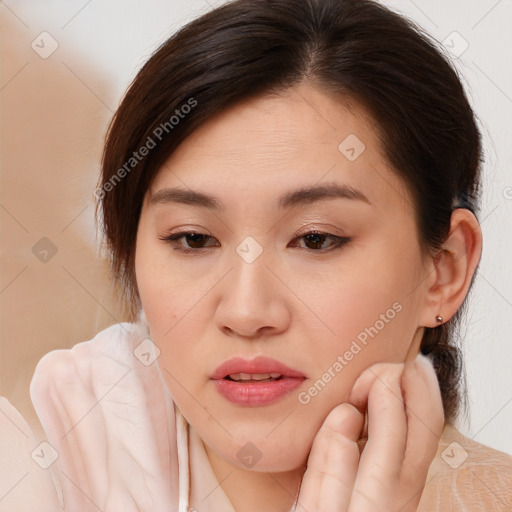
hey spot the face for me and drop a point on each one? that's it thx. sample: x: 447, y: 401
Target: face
x: 306, y: 253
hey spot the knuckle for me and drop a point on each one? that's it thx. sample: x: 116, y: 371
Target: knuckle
x: 330, y: 447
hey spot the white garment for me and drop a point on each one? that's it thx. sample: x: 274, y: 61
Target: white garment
x: 113, y: 424
x: 123, y: 445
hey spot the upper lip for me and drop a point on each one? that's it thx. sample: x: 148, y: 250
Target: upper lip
x: 259, y: 364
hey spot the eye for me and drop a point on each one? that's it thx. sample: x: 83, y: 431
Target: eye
x: 315, y: 240
x: 194, y: 240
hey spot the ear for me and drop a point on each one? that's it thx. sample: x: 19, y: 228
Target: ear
x: 452, y: 268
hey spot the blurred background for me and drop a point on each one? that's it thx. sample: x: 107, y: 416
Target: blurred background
x: 65, y: 66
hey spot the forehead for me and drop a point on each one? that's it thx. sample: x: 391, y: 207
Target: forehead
x: 263, y: 146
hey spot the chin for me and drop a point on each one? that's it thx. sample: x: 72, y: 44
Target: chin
x: 264, y: 455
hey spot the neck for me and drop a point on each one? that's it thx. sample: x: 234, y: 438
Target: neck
x: 254, y: 491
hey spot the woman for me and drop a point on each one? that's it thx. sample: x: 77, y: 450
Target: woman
x: 288, y: 193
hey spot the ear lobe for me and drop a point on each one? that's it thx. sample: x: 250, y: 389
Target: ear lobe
x: 454, y: 267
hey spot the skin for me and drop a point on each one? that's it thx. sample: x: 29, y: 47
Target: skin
x: 303, y: 302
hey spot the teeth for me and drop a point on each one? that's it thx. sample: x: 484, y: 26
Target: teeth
x: 254, y: 376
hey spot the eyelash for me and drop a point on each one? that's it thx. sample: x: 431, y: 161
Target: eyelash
x: 175, y: 238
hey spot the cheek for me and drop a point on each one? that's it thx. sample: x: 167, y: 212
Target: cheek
x: 368, y: 317
x: 169, y: 286
x: 172, y: 303
x: 166, y: 292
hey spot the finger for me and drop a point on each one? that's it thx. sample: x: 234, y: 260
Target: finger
x: 379, y: 465
x: 379, y: 386
x: 425, y: 417
x: 332, y: 464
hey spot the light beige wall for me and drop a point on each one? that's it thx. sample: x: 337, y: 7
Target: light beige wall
x: 51, y: 139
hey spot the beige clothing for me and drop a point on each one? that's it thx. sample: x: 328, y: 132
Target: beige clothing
x: 467, y: 476
x: 117, y: 442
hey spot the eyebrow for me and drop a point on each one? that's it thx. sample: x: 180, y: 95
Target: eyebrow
x: 301, y: 196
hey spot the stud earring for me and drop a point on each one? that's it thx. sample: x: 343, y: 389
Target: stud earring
x: 439, y: 319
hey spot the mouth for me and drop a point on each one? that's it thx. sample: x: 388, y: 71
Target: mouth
x: 253, y: 377
x: 259, y: 368
x: 257, y: 382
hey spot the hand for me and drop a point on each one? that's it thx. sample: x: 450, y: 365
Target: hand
x: 404, y: 422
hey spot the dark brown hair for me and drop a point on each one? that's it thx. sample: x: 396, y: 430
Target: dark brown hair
x: 354, y: 49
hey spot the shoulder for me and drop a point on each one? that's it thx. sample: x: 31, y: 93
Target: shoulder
x: 105, y: 356
x: 466, y: 475
x: 63, y: 380
x: 116, y: 342
x: 114, y: 373
x: 107, y: 413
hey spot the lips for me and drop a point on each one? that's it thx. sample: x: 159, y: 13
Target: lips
x: 257, y: 382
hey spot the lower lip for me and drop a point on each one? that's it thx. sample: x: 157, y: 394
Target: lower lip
x: 256, y: 393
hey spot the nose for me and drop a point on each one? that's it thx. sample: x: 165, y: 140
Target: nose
x: 253, y: 300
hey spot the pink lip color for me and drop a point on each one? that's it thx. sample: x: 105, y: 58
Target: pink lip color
x: 255, y: 393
